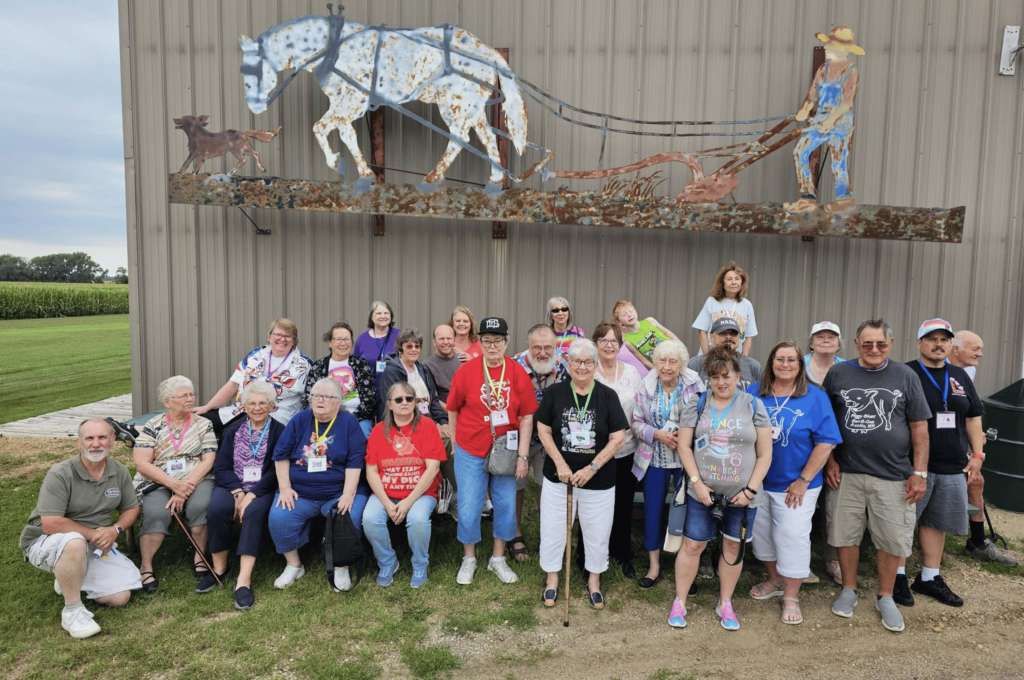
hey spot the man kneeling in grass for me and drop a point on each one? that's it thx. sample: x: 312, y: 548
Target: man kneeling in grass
x: 69, y: 533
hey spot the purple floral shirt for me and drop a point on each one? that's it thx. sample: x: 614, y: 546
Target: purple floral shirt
x: 244, y: 456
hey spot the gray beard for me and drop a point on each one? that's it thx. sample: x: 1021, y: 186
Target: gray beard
x: 94, y: 457
x: 542, y: 367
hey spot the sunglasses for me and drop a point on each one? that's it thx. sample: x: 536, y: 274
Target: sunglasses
x: 404, y: 400
x: 879, y: 345
x: 559, y: 310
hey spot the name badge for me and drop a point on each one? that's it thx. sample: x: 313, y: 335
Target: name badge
x: 581, y: 439
x: 381, y: 365
x: 251, y: 474
x: 776, y: 433
x: 318, y: 464
x: 670, y: 426
x: 175, y: 466
x: 512, y: 440
x: 945, y: 420
x: 424, y: 408
x: 499, y: 418
x: 702, y: 442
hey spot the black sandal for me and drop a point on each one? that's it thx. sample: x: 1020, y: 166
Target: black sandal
x: 199, y: 568
x: 150, y: 587
x: 518, y: 554
x: 550, y: 597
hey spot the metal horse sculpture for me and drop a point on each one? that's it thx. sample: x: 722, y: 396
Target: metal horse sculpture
x: 363, y: 67
x: 204, y: 145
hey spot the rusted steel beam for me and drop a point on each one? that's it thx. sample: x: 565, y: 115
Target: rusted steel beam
x: 499, y: 230
x: 939, y: 225
x: 377, y: 160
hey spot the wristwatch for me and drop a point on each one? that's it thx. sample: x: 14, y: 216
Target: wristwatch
x: 694, y: 479
x: 595, y: 467
x: 922, y: 475
x: 118, y: 529
x: 805, y: 481
x: 524, y: 458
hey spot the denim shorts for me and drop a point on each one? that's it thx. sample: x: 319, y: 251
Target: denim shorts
x: 699, y: 527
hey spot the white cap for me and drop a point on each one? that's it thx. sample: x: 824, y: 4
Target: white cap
x: 826, y: 326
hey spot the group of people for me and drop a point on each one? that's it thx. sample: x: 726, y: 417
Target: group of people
x: 372, y: 430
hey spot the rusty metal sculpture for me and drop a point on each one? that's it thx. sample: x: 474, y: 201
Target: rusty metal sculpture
x: 204, y: 145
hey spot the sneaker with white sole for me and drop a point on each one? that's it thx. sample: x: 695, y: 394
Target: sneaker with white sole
x: 79, y: 623
x: 289, y: 576
x: 466, y: 571
x: 342, y: 580
x: 500, y: 567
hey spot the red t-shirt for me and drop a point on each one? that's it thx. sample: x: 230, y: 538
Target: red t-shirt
x: 469, y: 396
x: 402, y: 461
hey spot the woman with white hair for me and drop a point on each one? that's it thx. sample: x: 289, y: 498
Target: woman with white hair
x: 245, y: 485
x: 318, y: 459
x: 581, y: 425
x: 173, y: 457
x: 560, y: 320
x: 656, y: 462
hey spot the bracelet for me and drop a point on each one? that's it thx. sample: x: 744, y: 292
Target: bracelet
x: 979, y: 455
x: 747, y: 488
x: 805, y: 481
x: 749, y: 498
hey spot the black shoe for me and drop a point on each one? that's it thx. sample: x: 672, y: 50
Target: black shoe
x: 149, y: 588
x: 901, y: 594
x: 938, y: 589
x: 628, y: 570
x: 123, y: 433
x: 693, y: 589
x: 209, y: 582
x: 648, y: 583
x: 243, y: 598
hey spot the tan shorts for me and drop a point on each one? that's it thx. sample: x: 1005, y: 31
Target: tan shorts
x: 112, y: 573
x: 536, y: 462
x: 865, y: 501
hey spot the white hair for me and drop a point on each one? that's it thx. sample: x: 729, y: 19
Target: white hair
x: 332, y: 383
x: 259, y: 387
x: 671, y: 348
x: 167, y: 388
x: 582, y: 348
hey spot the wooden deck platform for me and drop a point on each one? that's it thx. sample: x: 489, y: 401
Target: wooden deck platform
x: 64, y: 424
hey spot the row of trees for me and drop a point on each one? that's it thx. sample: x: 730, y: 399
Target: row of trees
x: 59, y: 267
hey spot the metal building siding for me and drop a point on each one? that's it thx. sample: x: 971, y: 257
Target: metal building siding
x: 935, y: 126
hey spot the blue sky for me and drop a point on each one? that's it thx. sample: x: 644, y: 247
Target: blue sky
x: 62, y: 150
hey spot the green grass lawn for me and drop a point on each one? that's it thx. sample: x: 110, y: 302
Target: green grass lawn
x: 51, y: 364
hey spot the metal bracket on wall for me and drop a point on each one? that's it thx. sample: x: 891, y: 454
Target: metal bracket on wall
x: 1011, y: 48
x: 259, y: 232
x: 377, y: 160
x: 499, y: 230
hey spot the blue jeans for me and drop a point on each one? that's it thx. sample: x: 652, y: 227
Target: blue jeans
x: 473, y: 481
x: 417, y: 522
x: 367, y: 427
x: 700, y: 529
x: 655, y: 489
x: 290, y: 529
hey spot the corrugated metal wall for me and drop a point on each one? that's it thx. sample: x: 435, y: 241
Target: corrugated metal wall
x: 935, y: 127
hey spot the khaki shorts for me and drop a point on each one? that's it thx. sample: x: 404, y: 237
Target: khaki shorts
x: 877, y: 504
x: 536, y: 462
x: 112, y: 573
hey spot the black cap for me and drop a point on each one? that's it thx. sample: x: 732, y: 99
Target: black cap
x: 495, y: 325
x: 725, y: 324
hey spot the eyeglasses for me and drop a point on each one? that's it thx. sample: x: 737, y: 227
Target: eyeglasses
x: 409, y: 346
x: 282, y: 336
x: 323, y: 397
x: 607, y: 341
x: 186, y: 396
x: 492, y: 343
x: 559, y: 310
x: 342, y: 341
x: 404, y: 400
x: 258, y: 404
x: 578, y: 363
x: 786, y: 360
x: 881, y: 344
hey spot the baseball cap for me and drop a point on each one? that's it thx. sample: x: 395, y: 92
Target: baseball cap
x: 826, y: 326
x: 725, y: 324
x: 935, y: 325
x: 495, y: 325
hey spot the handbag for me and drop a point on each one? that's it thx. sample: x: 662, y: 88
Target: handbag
x: 500, y: 460
x: 343, y: 546
x: 676, y: 520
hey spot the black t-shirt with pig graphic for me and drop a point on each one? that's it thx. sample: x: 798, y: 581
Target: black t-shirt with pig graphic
x: 874, y: 409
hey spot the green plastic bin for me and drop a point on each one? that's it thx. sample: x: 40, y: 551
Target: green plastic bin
x: 1004, y: 462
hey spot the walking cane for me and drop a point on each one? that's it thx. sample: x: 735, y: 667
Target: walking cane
x: 202, y: 556
x: 568, y: 548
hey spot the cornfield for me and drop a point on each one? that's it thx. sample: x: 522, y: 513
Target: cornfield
x: 46, y: 300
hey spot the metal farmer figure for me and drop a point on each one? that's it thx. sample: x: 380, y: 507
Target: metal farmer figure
x: 833, y: 91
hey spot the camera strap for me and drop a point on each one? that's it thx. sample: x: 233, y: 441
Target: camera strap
x: 743, y: 541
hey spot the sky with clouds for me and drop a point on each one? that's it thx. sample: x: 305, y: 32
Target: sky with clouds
x: 62, y: 155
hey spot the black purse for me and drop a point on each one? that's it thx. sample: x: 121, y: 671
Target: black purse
x: 343, y: 546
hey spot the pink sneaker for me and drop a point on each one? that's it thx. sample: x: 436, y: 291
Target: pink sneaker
x: 677, y: 617
x: 729, y: 620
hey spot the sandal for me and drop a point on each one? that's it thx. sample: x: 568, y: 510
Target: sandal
x: 518, y: 554
x: 550, y: 597
x: 153, y: 582
x: 835, y: 571
x: 766, y: 590
x: 595, y: 598
x: 199, y: 568
x: 791, y: 605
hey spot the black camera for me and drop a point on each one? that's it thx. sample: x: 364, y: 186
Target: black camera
x: 719, y: 503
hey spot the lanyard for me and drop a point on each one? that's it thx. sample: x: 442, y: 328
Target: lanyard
x: 270, y: 363
x: 576, y: 399
x: 779, y: 408
x: 176, y: 442
x: 494, y: 389
x: 945, y: 384
x: 661, y: 399
x: 567, y: 334
x: 316, y: 429
x: 716, y: 422
x: 384, y: 346
x: 255, y: 450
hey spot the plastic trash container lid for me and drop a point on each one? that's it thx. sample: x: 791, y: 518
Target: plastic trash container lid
x: 1011, y: 397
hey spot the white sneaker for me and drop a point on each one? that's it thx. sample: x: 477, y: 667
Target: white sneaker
x: 342, y: 580
x: 466, y: 571
x: 56, y: 587
x: 78, y: 623
x: 289, y: 576
x: 500, y: 567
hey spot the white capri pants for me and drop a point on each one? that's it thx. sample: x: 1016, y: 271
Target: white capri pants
x: 783, y: 535
x: 595, y: 509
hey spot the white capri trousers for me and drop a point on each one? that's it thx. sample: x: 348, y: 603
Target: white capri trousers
x: 595, y: 509
x: 783, y: 535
